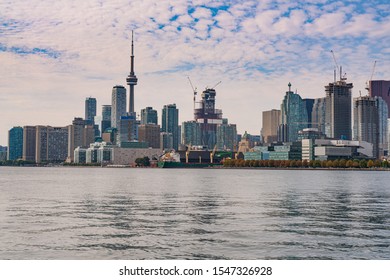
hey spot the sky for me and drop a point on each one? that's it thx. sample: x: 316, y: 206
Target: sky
x: 54, y: 54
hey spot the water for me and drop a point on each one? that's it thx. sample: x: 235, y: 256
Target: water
x: 103, y: 213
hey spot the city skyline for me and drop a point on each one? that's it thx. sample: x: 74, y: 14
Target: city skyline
x: 52, y: 62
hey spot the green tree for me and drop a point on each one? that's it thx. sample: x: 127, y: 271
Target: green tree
x: 342, y: 163
x: 363, y: 163
x: 305, y: 163
x: 370, y: 163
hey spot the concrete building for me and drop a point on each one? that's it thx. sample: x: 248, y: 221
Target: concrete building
x: 118, y: 105
x: 29, y: 143
x: 170, y: 122
x: 79, y: 135
x: 15, y: 143
x: 126, y: 156
x: 338, y: 110
x: 293, y: 117
x: 380, y: 88
x: 271, y: 121
x: 366, y: 125
x: 148, y: 116
x: 318, y: 115
x: 51, y: 144
x: 90, y: 110
x: 150, y: 133
x: 327, y: 149
x: 80, y: 155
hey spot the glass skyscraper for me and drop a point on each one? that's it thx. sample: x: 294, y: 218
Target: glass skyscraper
x: 15, y: 143
x: 90, y: 110
x: 170, y: 122
x: 118, y: 105
x: 148, y: 116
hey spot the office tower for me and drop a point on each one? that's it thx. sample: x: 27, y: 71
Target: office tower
x: 127, y: 130
x: 118, y: 105
x: 338, y: 110
x: 226, y: 136
x: 149, y: 133
x: 166, y: 140
x: 191, y: 133
x: 15, y: 143
x: 383, y: 112
x: 148, y: 115
x: 170, y: 122
x: 29, y: 143
x: 366, y: 126
x: 90, y: 110
x: 318, y: 114
x: 106, y: 117
x: 293, y: 117
x: 271, y: 121
x: 309, y: 103
x: 79, y: 135
x: 381, y: 88
x: 51, y: 143
x: 131, y: 79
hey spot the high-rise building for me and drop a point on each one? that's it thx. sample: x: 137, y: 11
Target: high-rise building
x: 271, y: 121
x: 293, y: 117
x: 166, y: 140
x: 118, y: 105
x: 383, y: 112
x: 309, y: 103
x: 381, y: 88
x: 51, y: 143
x: 3, y: 153
x: 318, y: 114
x: 131, y: 79
x: 149, y: 133
x: 106, y: 117
x: 127, y: 130
x: 170, y: 122
x: 79, y: 135
x: 29, y: 143
x: 366, y: 126
x: 15, y: 143
x: 90, y: 110
x: 226, y: 136
x: 191, y: 133
x: 148, y: 115
x: 338, y: 110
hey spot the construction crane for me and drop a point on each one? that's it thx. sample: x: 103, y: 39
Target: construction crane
x: 216, y: 84
x: 342, y: 77
x: 212, y: 154
x: 193, y: 89
x: 372, y: 75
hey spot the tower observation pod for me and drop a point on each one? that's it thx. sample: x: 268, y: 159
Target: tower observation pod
x: 131, y: 79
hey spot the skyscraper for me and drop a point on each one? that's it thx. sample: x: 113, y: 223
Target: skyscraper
x: 127, y: 129
x: 148, y: 115
x: 226, y: 136
x: 131, y: 79
x: 366, y: 126
x: 15, y: 143
x: 271, y: 121
x: 90, y: 110
x: 170, y: 122
x: 106, y: 117
x: 191, y: 133
x: 51, y: 143
x: 383, y: 112
x: 118, y: 105
x: 318, y: 114
x: 338, y: 110
x: 381, y: 88
x: 149, y: 133
x: 309, y: 103
x: 29, y: 143
x: 293, y: 116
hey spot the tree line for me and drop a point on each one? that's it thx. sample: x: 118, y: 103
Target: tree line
x: 337, y: 163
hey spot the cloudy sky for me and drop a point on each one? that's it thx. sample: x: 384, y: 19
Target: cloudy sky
x: 54, y: 54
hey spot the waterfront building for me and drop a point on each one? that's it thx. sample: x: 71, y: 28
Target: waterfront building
x: 328, y: 149
x: 170, y: 122
x: 80, y: 155
x: 380, y: 88
x: 3, y: 153
x: 271, y: 121
x: 285, y: 151
x: 29, y: 143
x: 15, y: 143
x: 308, y: 149
x: 226, y: 136
x: 90, y: 110
x: 191, y: 133
x: 338, y: 110
x: 293, y: 117
x: 318, y: 115
x: 166, y: 139
x: 244, y: 145
x: 131, y: 80
x: 51, y: 144
x: 79, y: 135
x: 383, y: 112
x: 366, y: 125
x: 310, y: 133
x: 118, y: 105
x: 106, y: 118
x: 127, y: 156
x: 149, y: 133
x: 257, y: 153
x: 148, y: 115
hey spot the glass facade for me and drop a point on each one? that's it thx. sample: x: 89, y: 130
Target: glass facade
x: 15, y: 143
x: 170, y: 122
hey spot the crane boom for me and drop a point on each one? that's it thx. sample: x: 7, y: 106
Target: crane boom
x: 193, y: 90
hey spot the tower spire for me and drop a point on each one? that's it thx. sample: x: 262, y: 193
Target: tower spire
x: 131, y: 78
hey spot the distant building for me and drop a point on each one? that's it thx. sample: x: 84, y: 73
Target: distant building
x: 166, y: 139
x: 338, y: 110
x: 127, y: 156
x: 51, y: 144
x: 285, y: 151
x: 327, y: 149
x: 293, y: 117
x: 383, y: 112
x: 80, y: 155
x: 381, y: 88
x: 90, y: 110
x: 226, y: 136
x: 191, y: 133
x: 29, y: 143
x: 309, y: 103
x: 149, y: 133
x: 79, y: 135
x: 244, y: 145
x: 15, y: 143
x: 118, y: 105
x: 127, y: 130
x: 271, y: 121
x: 148, y: 115
x: 106, y: 118
x: 318, y: 115
x: 3, y: 153
x: 170, y: 122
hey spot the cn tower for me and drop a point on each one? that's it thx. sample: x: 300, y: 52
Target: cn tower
x: 131, y: 79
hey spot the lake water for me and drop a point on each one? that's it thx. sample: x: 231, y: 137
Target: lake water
x: 113, y: 213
